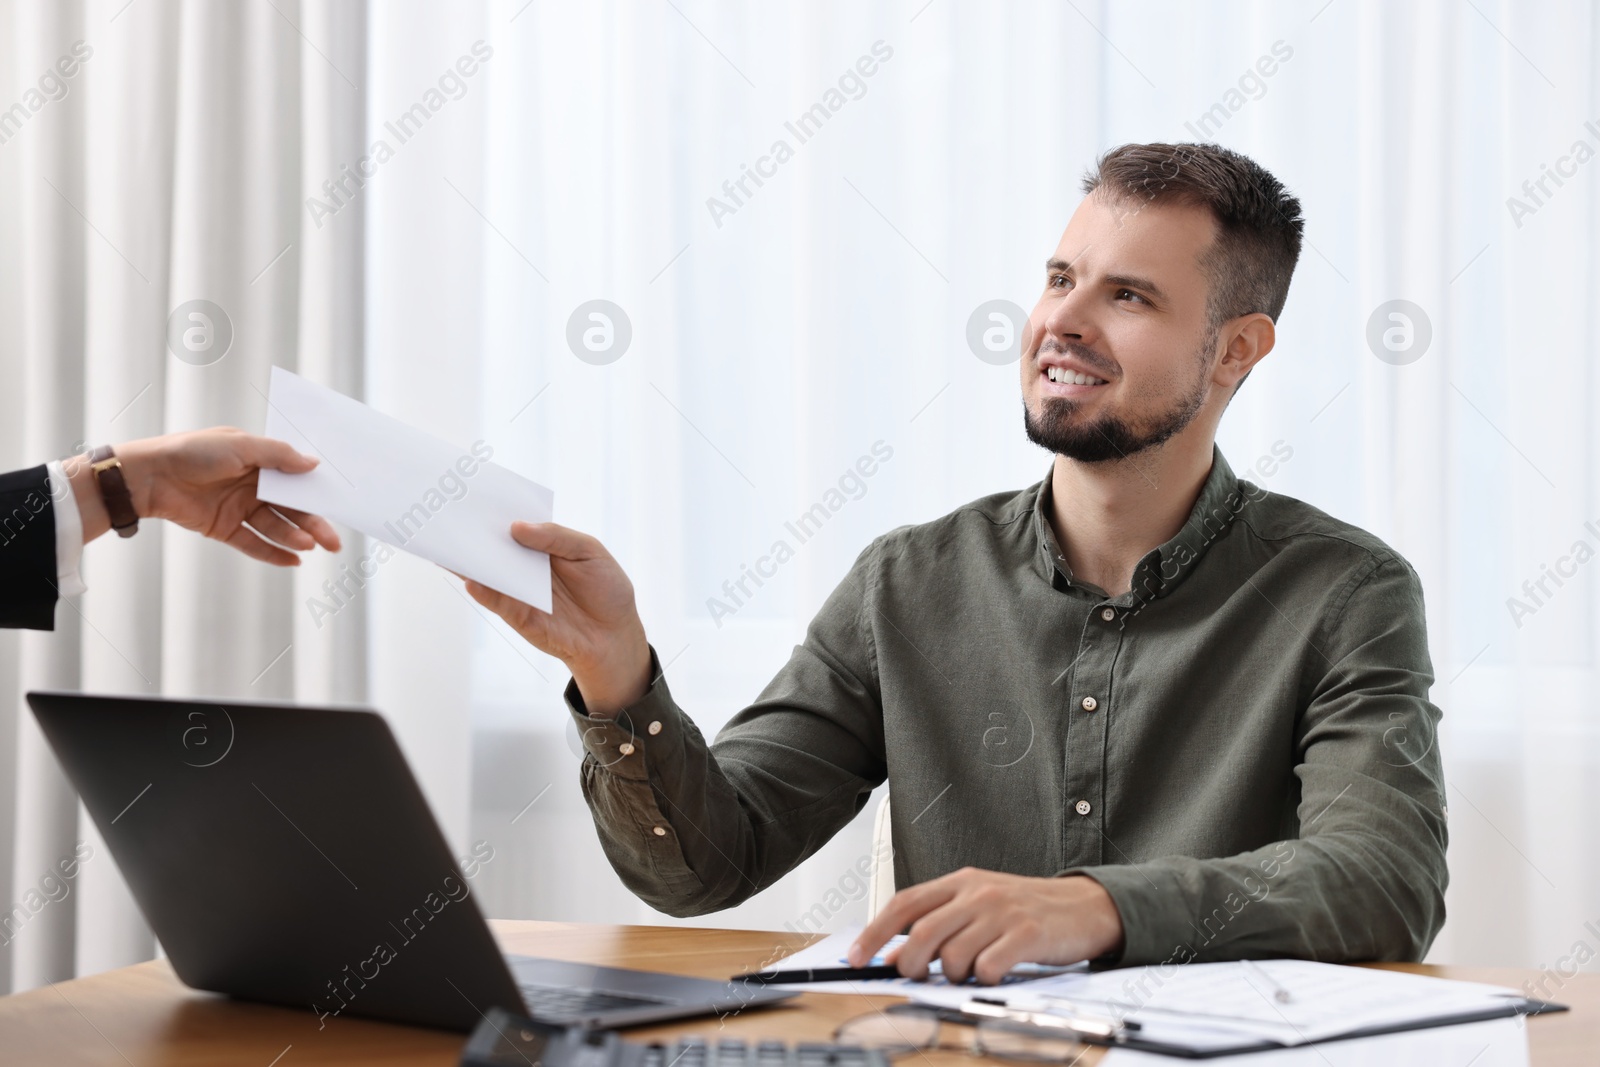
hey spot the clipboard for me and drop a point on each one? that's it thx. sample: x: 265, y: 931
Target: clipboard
x: 1206, y: 1024
x: 1514, y: 1006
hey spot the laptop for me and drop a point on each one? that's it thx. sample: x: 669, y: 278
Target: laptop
x: 285, y: 854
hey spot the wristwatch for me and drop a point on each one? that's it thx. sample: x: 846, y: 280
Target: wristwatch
x: 114, y: 491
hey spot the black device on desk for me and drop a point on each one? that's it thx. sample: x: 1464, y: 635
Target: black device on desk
x: 286, y: 854
x: 503, y: 1040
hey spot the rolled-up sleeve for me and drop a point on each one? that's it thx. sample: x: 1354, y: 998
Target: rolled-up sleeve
x: 1365, y: 877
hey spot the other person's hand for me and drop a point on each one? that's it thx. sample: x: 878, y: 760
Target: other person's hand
x: 595, y: 628
x: 983, y: 923
x: 205, y: 481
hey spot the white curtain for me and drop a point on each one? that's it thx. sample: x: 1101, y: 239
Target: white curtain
x: 776, y: 336
x: 166, y: 168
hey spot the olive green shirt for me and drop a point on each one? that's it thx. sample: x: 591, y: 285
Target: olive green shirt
x: 1240, y: 749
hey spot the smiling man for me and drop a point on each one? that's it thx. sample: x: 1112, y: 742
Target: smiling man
x: 1142, y: 711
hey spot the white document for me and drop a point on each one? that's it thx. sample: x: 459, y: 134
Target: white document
x: 1492, y: 1043
x: 1216, y: 1004
x: 446, y: 504
x: 1213, y: 1006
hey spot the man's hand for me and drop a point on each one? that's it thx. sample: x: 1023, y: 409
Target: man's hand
x: 595, y: 629
x: 982, y: 923
x: 205, y: 481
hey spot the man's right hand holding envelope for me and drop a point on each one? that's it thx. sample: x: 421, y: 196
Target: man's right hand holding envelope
x: 594, y: 628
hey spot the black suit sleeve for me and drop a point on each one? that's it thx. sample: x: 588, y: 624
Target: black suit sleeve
x: 27, y: 550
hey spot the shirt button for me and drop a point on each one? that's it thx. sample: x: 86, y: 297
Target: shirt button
x: 1108, y: 613
x: 660, y: 831
x: 655, y: 728
x: 1089, y: 704
x: 626, y: 748
x: 1082, y: 807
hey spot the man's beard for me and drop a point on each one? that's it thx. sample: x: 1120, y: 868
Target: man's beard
x: 1059, y: 429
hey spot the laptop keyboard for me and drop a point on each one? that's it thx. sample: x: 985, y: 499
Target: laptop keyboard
x: 560, y: 1003
x: 731, y: 1052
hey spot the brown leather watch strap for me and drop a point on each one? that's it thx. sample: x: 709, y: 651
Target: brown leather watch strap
x: 114, y: 491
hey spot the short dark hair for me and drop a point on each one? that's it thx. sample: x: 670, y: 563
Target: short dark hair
x: 1259, y: 222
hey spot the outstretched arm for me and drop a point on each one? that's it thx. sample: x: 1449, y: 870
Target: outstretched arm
x: 692, y: 828
x: 205, y: 481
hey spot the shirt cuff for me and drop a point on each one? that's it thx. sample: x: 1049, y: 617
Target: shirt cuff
x: 621, y: 744
x: 1155, y: 924
x: 69, y: 531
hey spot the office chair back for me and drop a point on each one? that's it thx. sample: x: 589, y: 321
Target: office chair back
x: 880, y: 886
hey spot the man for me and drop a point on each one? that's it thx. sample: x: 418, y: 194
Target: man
x: 204, y: 481
x: 1215, y: 735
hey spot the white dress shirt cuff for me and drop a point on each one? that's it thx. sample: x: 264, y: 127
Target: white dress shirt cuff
x: 69, y: 532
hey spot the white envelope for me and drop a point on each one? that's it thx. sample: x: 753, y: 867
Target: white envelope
x: 407, y: 488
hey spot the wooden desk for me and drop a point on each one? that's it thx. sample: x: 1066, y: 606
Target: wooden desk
x: 142, y: 1016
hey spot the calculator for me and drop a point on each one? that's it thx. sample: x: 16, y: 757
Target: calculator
x: 736, y: 1052
x: 503, y: 1039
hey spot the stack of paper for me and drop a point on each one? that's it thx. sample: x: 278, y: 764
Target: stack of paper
x: 1210, y: 1008
x: 1205, y: 1006
x: 1493, y: 1043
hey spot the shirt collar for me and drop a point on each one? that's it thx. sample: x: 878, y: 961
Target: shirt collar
x: 1164, y: 568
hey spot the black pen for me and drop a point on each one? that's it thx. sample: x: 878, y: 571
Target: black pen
x: 818, y: 974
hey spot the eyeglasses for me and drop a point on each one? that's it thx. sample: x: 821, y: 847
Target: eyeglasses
x: 903, y: 1028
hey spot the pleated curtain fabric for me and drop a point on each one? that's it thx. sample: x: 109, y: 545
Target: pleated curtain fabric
x: 167, y: 179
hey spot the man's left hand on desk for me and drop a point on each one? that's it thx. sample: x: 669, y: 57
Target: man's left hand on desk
x: 983, y: 923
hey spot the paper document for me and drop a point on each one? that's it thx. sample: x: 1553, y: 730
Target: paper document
x: 1215, y: 1005
x: 1492, y: 1043
x: 1211, y: 1008
x: 446, y: 504
x: 831, y: 952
